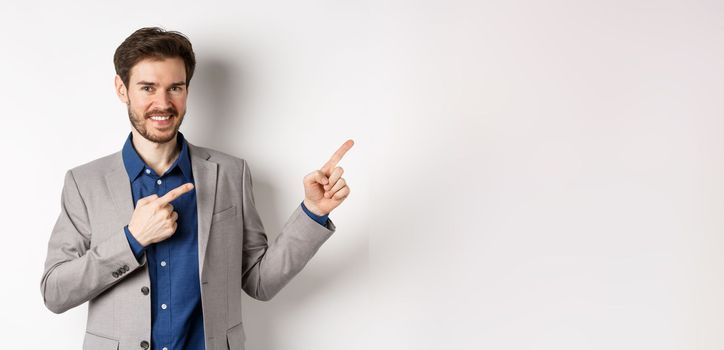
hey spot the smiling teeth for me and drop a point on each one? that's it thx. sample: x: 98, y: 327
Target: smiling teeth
x: 161, y: 118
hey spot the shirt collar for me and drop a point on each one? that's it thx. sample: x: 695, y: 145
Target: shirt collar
x: 134, y: 164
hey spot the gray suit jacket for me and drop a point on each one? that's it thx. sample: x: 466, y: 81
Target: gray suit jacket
x: 89, y: 258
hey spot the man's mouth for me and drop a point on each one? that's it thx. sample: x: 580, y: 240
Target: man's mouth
x: 161, y: 120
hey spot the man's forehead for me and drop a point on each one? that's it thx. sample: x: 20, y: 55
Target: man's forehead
x: 167, y: 71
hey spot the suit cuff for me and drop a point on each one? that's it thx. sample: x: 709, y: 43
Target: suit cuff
x: 322, y: 220
x: 136, y: 247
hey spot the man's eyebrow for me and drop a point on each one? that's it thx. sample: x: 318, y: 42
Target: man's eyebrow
x: 143, y: 82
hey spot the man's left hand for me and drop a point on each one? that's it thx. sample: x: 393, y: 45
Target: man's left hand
x: 325, y: 189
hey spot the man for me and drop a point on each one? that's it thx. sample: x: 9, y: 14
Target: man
x: 168, y: 272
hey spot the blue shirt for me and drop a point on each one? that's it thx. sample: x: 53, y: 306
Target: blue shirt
x: 173, y: 264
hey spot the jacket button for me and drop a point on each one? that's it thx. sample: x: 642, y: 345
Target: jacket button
x: 125, y: 268
x: 115, y: 274
x: 144, y: 290
x: 144, y: 344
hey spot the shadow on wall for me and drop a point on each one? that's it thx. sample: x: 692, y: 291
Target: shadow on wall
x: 218, y: 92
x: 215, y: 94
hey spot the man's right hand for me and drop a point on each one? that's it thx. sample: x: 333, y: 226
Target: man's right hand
x: 154, y: 220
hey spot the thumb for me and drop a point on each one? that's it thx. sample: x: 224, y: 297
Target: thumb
x: 315, y: 177
x: 145, y: 200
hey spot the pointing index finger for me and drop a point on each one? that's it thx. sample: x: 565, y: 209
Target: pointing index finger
x: 337, y: 156
x: 175, y: 193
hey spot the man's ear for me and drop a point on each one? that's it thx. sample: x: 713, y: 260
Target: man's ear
x: 121, y: 90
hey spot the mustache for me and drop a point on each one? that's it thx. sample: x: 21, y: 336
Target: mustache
x: 171, y: 111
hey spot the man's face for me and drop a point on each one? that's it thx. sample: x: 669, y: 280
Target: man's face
x: 156, y: 97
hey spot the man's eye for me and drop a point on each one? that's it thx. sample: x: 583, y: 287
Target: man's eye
x: 146, y: 88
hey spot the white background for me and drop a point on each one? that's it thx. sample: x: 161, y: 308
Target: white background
x: 526, y: 174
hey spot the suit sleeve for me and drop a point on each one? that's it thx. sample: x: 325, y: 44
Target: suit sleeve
x: 74, y: 271
x: 268, y: 267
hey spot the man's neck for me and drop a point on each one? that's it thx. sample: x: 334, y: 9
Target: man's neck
x: 158, y: 156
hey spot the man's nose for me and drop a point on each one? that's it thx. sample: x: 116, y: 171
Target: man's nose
x: 162, y: 100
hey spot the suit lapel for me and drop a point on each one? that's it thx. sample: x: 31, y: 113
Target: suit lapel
x: 205, y: 173
x: 120, y: 188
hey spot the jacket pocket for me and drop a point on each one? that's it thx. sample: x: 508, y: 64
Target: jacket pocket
x: 93, y: 342
x: 235, y: 337
x: 223, y: 214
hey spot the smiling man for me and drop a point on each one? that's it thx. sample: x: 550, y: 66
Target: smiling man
x: 162, y: 236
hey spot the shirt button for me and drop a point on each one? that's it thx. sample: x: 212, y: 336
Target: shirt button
x: 163, y: 306
x: 164, y: 348
x: 159, y: 181
x: 163, y: 263
x: 148, y: 171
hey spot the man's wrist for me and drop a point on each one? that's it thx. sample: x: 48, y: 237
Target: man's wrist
x: 313, y: 209
x: 320, y: 219
x: 128, y: 227
x: 136, y: 246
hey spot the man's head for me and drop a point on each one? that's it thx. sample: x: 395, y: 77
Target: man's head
x: 153, y: 71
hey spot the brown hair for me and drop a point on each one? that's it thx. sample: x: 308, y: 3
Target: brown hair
x: 154, y: 43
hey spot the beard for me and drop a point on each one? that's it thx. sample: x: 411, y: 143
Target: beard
x: 139, y: 123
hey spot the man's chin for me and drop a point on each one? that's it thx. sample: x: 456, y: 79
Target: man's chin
x: 157, y: 136
x: 165, y: 138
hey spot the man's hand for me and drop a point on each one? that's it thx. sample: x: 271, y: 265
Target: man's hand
x: 325, y: 189
x: 154, y: 220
